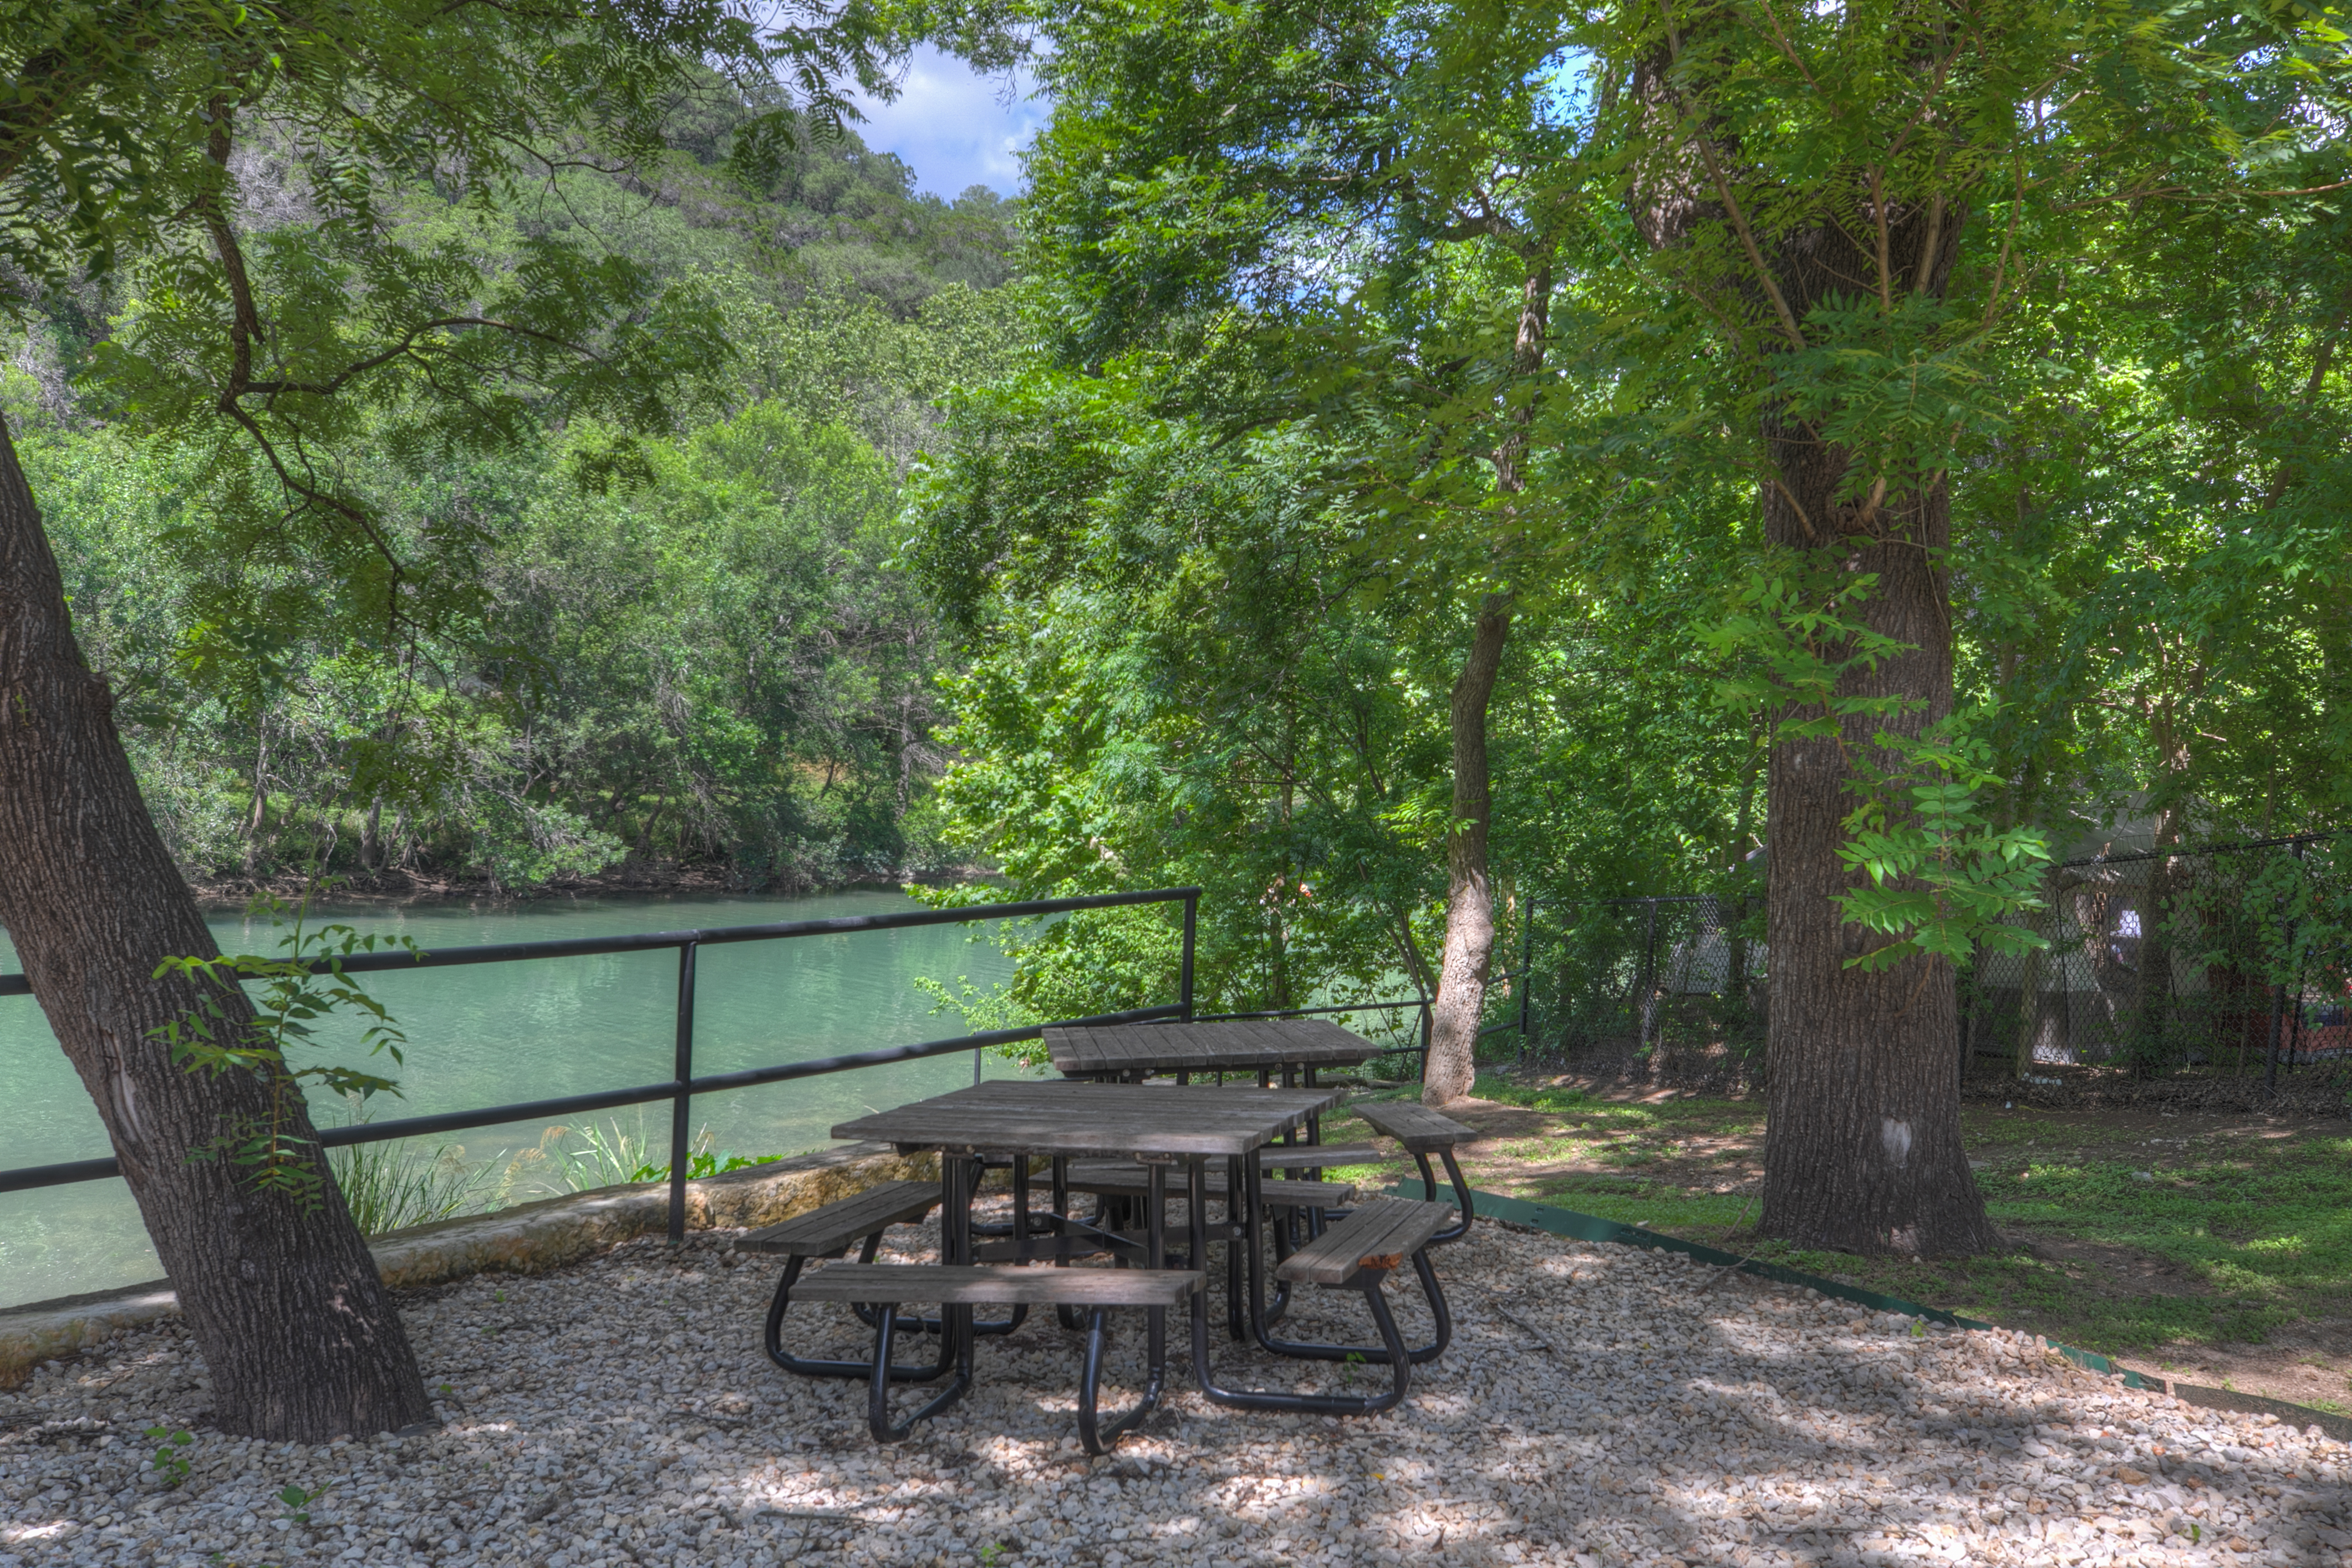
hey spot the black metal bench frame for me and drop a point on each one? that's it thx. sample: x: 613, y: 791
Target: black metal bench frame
x: 807, y: 1366
x: 1421, y: 1146
x: 1370, y: 1283
x: 1066, y: 1287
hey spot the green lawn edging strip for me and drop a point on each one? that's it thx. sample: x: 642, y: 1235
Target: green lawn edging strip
x: 1591, y: 1228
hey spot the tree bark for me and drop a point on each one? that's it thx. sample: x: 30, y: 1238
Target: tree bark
x: 1470, y: 897
x: 284, y: 1300
x: 371, y: 836
x: 1862, y: 1149
x: 1452, y: 1062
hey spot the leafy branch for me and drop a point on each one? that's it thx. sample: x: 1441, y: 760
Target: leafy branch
x: 1943, y: 880
x: 295, y: 992
x: 1937, y: 876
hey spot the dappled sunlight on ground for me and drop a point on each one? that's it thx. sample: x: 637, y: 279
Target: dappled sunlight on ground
x: 1600, y: 1405
x: 2213, y: 1248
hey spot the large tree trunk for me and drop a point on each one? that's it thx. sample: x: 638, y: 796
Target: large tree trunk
x: 1863, y: 1150
x: 1470, y: 896
x: 284, y: 1298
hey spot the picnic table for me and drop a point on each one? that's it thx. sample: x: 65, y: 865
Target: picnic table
x: 1173, y: 1132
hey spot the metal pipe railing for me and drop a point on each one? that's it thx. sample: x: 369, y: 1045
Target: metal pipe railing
x: 714, y: 936
x: 683, y: 1086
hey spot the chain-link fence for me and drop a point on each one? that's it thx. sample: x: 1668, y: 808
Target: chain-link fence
x: 1675, y: 984
x: 2224, y: 961
x: 2221, y: 961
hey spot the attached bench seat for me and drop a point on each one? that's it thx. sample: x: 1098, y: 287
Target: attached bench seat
x: 1359, y: 1252
x: 1424, y: 1132
x: 1380, y: 1235
x: 976, y: 1284
x: 1417, y: 1127
x: 827, y: 1232
x: 884, y: 1287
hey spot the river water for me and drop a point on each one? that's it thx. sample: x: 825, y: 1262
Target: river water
x: 489, y: 1034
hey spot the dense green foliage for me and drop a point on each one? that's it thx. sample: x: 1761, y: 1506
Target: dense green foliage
x: 1166, y: 558
x: 688, y: 649
x: 1281, y: 253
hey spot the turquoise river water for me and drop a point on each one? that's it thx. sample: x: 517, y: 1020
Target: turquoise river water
x: 495, y: 1033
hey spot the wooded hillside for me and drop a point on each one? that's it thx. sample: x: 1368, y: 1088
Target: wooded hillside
x: 683, y: 655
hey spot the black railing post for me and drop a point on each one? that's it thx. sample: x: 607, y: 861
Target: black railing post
x: 1192, y: 933
x: 681, y: 1105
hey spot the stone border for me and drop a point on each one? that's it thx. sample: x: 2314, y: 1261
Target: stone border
x: 2336, y: 1427
x: 528, y: 1238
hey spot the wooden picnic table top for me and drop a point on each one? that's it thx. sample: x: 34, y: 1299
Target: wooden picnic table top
x: 1242, y: 1045
x: 1028, y: 1116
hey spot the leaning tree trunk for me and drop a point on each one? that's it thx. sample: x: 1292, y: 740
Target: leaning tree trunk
x: 1470, y: 894
x: 285, y: 1301
x: 1863, y: 1148
x: 1452, y: 1065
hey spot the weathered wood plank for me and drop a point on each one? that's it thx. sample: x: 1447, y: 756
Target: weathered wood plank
x: 1316, y: 1156
x: 1415, y: 1125
x: 823, y: 1232
x: 1062, y: 1118
x: 990, y: 1283
x: 1382, y: 1234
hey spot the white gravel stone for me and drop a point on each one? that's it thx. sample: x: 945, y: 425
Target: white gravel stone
x: 1600, y: 1406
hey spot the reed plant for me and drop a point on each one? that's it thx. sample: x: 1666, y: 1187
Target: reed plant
x: 388, y: 1187
x: 606, y: 1155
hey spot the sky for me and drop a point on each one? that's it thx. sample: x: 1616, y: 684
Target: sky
x: 955, y: 128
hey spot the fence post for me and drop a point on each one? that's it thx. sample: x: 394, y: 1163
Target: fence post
x: 2294, y: 1035
x: 1648, y: 999
x: 681, y: 1103
x: 1191, y: 929
x: 1526, y: 968
x: 2278, y: 1003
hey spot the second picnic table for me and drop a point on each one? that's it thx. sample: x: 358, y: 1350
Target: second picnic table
x: 1262, y: 1045
x: 1292, y: 1048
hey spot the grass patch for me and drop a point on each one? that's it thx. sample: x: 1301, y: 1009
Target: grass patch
x: 2142, y: 1233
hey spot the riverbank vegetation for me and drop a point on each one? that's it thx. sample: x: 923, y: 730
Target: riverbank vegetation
x: 654, y: 652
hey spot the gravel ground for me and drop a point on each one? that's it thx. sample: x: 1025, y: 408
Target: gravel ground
x: 1600, y: 1405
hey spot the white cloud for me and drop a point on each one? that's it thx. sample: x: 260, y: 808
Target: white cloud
x: 954, y: 127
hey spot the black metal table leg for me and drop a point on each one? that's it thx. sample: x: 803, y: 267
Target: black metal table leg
x: 1095, y: 1434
